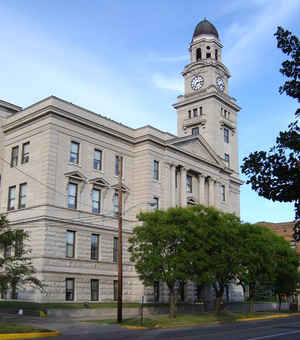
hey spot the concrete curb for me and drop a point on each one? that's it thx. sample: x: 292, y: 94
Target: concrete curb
x: 28, y: 335
x: 267, y: 317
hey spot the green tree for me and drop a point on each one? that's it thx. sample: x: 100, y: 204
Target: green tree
x: 158, y: 249
x: 275, y: 174
x: 16, y: 269
x: 216, y: 258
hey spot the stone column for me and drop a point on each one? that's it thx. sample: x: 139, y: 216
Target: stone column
x: 211, y: 192
x: 172, y: 185
x: 183, y: 187
x: 201, y: 192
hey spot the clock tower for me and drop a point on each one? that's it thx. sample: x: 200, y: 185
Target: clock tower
x: 206, y: 107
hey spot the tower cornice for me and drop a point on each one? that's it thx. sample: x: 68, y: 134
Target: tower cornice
x: 204, y: 64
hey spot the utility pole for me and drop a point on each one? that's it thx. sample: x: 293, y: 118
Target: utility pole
x: 120, y: 243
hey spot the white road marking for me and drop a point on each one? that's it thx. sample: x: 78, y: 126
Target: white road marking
x: 274, y: 335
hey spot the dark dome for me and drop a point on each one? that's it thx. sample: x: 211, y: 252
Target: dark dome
x: 205, y: 27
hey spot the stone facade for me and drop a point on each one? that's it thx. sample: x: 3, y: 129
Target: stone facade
x: 58, y: 179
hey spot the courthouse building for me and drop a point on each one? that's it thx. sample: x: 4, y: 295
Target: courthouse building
x: 59, y: 177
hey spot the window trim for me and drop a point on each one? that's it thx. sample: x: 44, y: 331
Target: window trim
x: 25, y: 155
x: 72, y: 245
x: 226, y: 135
x: 156, y: 170
x: 69, y: 279
x: 77, y: 154
x: 98, y: 202
x: 116, y: 203
x: 75, y: 197
x: 22, y: 196
x: 97, y: 290
x: 10, y: 199
x: 14, y: 157
x: 98, y: 160
x: 96, y: 257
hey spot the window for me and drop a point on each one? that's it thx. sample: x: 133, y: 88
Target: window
x: 200, y: 110
x: 11, y: 198
x: 190, y: 114
x: 198, y: 54
x: 216, y: 54
x: 195, y: 131
x: 70, y: 289
x: 25, y: 153
x: 226, y: 135
x: 115, y: 249
x: 97, y: 159
x: 182, y: 291
x: 96, y: 201
x: 7, y: 250
x: 156, y: 291
x: 22, y: 195
x: 208, y: 55
x: 195, y: 112
x: 223, y: 197
x: 70, y: 244
x: 226, y: 159
x: 156, y: 170
x: 72, y: 195
x: 155, y: 204
x: 116, y: 203
x: 117, y: 165
x: 115, y: 290
x: 74, y: 153
x: 94, y: 290
x: 19, y: 245
x: 95, y: 247
x: 189, y: 183
x: 14, y: 156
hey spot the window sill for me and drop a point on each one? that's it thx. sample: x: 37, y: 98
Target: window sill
x: 75, y: 164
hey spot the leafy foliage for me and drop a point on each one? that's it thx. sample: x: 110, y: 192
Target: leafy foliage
x: 275, y: 174
x: 16, y: 269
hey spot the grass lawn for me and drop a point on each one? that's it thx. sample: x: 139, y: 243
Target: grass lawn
x: 163, y: 321
x: 8, y: 327
x: 43, y: 306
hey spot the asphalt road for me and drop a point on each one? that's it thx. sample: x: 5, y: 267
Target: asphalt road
x: 276, y: 329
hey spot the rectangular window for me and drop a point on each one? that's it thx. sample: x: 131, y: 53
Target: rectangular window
x: 70, y: 244
x: 25, y: 153
x: 200, y: 110
x: 155, y: 204
x: 156, y: 291
x: 189, y: 183
x: 72, y: 195
x: 94, y: 290
x: 7, y: 251
x: 96, y: 201
x: 115, y: 249
x: 117, y: 165
x: 95, y: 247
x: 74, y: 153
x: 11, y: 198
x: 115, y: 290
x: 14, y: 156
x: 226, y: 159
x: 156, y: 170
x: 116, y: 203
x: 189, y: 114
x: 70, y: 289
x: 195, y: 112
x: 226, y: 135
x: 195, y: 131
x: 223, y: 197
x: 19, y: 245
x: 22, y: 195
x: 97, y: 159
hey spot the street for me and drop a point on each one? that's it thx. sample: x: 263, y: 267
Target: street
x: 277, y: 329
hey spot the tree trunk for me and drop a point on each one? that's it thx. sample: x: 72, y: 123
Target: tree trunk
x: 251, y: 305
x: 172, y: 306
x: 280, y: 300
x: 219, y: 290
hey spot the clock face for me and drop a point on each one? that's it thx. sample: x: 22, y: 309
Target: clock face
x: 197, y: 82
x: 220, y: 84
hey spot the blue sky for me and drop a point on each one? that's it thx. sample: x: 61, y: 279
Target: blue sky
x: 124, y: 59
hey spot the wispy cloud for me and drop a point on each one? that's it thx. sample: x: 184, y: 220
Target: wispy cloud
x: 168, y: 83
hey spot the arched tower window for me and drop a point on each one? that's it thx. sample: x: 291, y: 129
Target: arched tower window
x: 198, y: 54
x: 216, y: 54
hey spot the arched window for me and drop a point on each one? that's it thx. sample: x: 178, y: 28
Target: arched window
x: 198, y: 54
x: 216, y: 54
